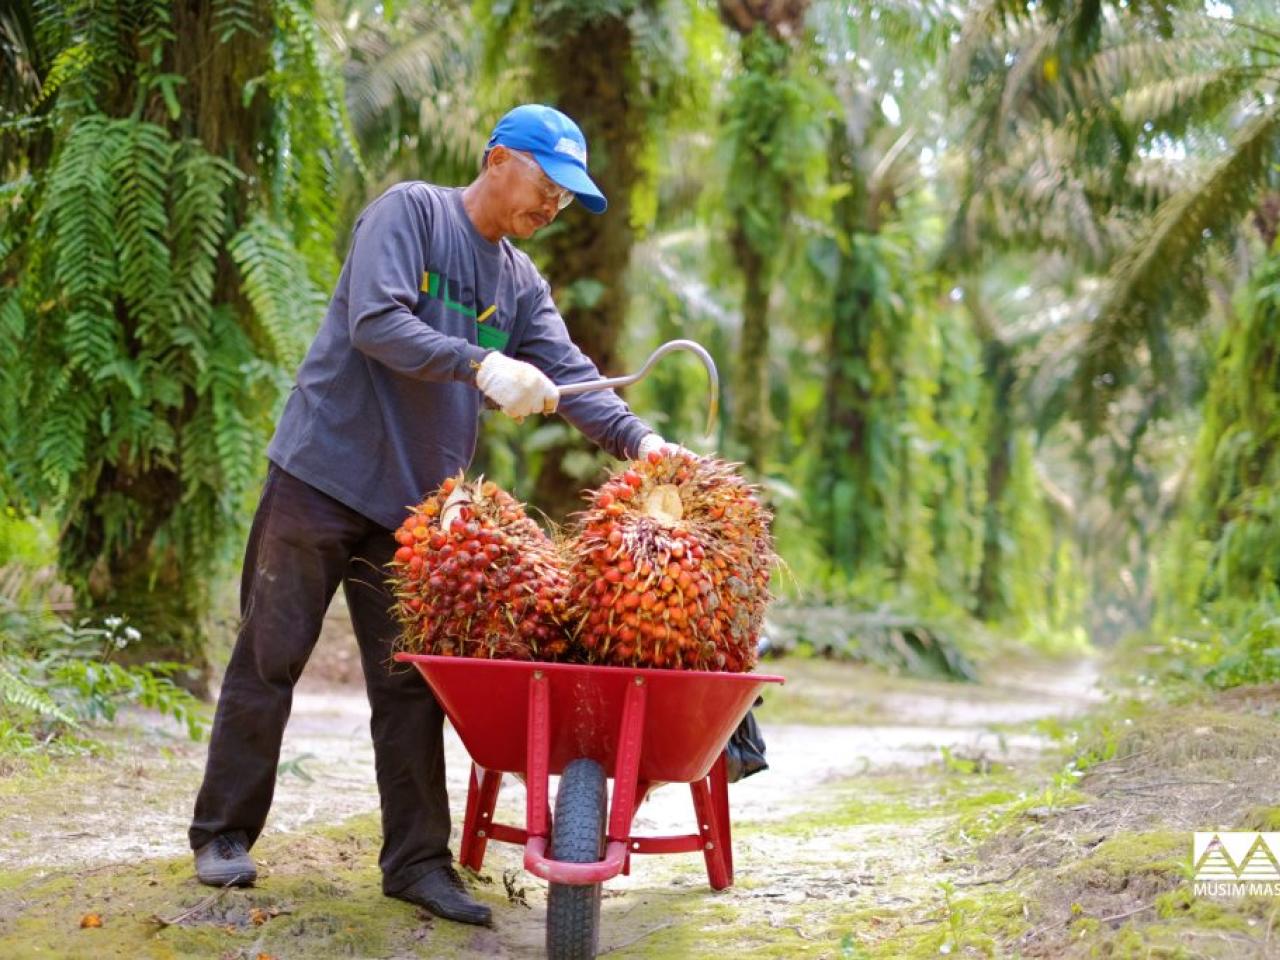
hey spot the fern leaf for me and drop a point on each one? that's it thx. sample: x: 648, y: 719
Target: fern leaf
x: 235, y: 16
x: 18, y: 692
x: 68, y: 65
x: 140, y: 172
x: 80, y: 209
x: 90, y: 335
x: 287, y: 305
x: 65, y: 420
x: 200, y: 182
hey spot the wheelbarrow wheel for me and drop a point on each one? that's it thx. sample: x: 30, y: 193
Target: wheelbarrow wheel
x: 577, y: 836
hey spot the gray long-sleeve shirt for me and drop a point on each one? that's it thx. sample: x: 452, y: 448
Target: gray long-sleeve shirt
x: 385, y: 406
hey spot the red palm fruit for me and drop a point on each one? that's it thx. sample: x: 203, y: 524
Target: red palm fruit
x: 682, y: 561
x: 481, y: 578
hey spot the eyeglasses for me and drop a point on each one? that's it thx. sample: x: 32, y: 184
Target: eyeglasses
x: 551, y: 191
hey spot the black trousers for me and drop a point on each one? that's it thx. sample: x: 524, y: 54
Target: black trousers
x: 302, y: 545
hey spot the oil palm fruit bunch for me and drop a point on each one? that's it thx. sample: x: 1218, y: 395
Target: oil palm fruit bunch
x: 475, y: 577
x: 671, y: 566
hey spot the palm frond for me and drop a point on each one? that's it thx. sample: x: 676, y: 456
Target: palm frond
x: 1027, y: 74
x: 1170, y: 104
x: 1158, y: 274
x: 1112, y: 69
x: 389, y: 71
x: 1150, y: 181
x: 984, y: 22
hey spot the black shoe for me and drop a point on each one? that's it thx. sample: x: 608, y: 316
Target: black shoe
x: 224, y: 861
x: 443, y: 893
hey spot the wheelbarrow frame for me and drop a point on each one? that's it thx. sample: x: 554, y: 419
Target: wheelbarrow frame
x: 621, y: 754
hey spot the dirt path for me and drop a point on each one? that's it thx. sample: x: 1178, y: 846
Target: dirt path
x: 841, y: 816
x: 140, y: 806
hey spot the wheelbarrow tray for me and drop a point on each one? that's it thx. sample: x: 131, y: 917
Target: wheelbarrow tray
x: 688, y: 715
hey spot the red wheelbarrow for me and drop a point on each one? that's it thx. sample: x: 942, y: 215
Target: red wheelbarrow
x: 641, y: 727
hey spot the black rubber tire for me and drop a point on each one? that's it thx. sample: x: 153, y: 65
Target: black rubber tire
x: 577, y: 836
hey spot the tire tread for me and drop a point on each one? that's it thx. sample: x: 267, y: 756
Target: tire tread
x: 577, y: 836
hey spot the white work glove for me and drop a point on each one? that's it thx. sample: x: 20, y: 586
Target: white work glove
x: 518, y: 388
x: 649, y: 443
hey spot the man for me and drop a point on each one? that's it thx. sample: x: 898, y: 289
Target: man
x: 434, y: 311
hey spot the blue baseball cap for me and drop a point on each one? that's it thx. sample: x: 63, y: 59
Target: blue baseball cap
x: 556, y: 143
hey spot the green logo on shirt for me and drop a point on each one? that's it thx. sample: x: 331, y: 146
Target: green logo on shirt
x: 436, y: 286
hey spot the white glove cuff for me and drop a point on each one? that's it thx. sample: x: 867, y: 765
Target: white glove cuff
x: 488, y: 370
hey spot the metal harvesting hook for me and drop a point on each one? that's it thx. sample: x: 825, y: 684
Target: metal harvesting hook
x: 610, y: 383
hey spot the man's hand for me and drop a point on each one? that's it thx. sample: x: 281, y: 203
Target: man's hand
x: 648, y: 444
x: 518, y: 388
x: 652, y: 442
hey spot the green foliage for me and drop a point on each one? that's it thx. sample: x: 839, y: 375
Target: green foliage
x: 876, y: 468
x: 58, y: 680
x: 410, y: 85
x: 151, y: 375
x: 1220, y: 580
x: 164, y: 259
x: 897, y: 485
x: 939, y: 435
x: 773, y: 144
x: 774, y: 161
x: 1244, y: 647
x: 312, y: 132
x: 910, y: 644
x: 1124, y: 136
x: 1042, y: 591
x: 233, y: 16
x: 656, y: 29
x: 1160, y: 275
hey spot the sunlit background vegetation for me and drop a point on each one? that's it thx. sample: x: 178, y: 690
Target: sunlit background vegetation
x: 993, y: 288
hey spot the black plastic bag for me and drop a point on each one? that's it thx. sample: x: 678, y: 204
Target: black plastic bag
x: 745, y: 748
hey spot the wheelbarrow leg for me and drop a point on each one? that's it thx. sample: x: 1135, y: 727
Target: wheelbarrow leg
x: 642, y: 791
x: 720, y: 807
x: 718, y: 872
x: 628, y: 790
x: 482, y: 797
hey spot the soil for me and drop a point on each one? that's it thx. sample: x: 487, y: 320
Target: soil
x: 899, y: 818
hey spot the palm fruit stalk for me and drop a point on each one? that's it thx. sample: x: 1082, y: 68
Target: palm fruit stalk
x: 474, y: 576
x: 671, y: 567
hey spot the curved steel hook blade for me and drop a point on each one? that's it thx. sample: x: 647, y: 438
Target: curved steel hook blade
x: 610, y: 383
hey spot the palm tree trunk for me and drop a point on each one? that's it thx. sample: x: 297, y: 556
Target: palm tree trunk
x: 849, y: 514
x: 990, y: 602
x: 590, y: 76
x: 751, y: 393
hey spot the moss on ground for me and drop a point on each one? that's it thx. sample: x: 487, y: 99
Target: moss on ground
x: 1038, y: 871
x: 323, y: 900
x: 1110, y: 875
x: 1162, y: 856
x: 1262, y: 818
